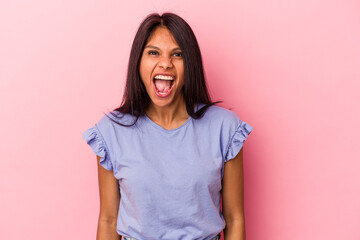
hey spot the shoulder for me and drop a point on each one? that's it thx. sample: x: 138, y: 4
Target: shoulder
x: 225, y: 120
x: 111, y: 120
x: 221, y: 114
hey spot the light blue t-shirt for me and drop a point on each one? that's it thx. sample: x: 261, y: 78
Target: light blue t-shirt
x: 170, y: 180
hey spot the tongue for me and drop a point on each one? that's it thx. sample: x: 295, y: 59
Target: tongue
x: 162, y: 85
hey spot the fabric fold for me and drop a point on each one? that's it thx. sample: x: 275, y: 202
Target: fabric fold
x: 237, y: 140
x: 95, y: 140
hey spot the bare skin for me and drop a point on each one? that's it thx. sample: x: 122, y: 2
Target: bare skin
x: 233, y: 198
x: 163, y: 55
x: 109, y: 204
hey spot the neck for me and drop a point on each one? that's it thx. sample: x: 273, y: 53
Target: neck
x: 166, y: 115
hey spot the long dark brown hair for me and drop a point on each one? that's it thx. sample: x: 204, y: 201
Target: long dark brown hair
x: 135, y: 98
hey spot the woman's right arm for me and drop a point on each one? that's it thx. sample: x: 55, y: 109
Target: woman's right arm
x: 109, y: 204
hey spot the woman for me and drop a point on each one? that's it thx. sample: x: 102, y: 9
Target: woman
x: 161, y: 154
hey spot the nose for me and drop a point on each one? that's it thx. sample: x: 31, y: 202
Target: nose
x: 165, y: 62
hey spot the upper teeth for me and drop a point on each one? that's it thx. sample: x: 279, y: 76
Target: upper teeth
x: 163, y: 77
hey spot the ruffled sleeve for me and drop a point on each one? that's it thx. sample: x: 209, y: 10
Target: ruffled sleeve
x: 97, y: 143
x: 237, y: 139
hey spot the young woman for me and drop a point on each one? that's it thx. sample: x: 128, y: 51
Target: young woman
x: 168, y: 153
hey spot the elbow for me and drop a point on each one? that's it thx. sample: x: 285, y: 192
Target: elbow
x: 235, y: 221
x: 107, y: 220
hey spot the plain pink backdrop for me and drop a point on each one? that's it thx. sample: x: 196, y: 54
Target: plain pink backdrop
x: 291, y: 69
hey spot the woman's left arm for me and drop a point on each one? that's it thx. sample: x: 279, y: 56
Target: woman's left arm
x: 233, y: 198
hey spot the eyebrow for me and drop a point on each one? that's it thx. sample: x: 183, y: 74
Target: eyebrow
x: 152, y: 46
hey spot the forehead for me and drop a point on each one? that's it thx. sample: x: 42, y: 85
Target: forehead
x: 163, y: 37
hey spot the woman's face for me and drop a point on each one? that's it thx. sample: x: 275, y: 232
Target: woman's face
x: 162, y: 68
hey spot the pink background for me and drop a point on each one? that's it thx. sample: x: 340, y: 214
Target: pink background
x: 291, y: 69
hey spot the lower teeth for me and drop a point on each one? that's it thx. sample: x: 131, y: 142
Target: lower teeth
x: 163, y: 93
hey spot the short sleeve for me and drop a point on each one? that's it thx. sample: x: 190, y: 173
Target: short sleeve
x: 97, y: 143
x: 237, y: 139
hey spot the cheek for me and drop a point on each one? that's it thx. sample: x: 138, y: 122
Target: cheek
x: 145, y: 70
x: 181, y: 72
x: 180, y: 68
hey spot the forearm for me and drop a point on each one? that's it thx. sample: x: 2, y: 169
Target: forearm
x: 235, y: 230
x: 107, y: 230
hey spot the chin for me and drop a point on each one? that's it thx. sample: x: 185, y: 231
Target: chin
x: 162, y: 103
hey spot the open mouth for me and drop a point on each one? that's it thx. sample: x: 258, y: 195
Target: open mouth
x: 163, y: 84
